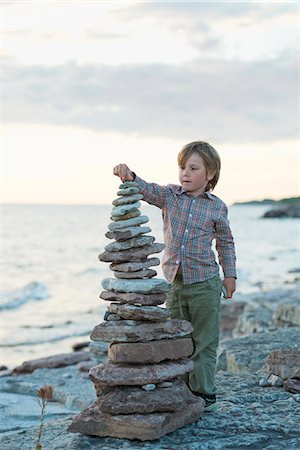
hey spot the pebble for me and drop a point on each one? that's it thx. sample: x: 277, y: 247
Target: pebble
x: 149, y: 387
x: 263, y: 382
x: 275, y: 380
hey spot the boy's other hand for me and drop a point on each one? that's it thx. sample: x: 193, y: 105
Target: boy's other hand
x: 230, y: 285
x: 123, y: 171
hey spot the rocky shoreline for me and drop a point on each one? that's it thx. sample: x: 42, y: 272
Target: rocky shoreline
x: 258, y: 388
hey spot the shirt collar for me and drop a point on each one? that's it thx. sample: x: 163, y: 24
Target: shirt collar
x: 207, y: 194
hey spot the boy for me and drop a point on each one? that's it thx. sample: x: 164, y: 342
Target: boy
x: 192, y: 218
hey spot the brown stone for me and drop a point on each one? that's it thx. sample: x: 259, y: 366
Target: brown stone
x: 131, y: 399
x: 130, y: 215
x: 111, y: 374
x: 133, y: 298
x: 134, y: 426
x: 135, y: 266
x: 147, y: 273
x: 135, y: 331
x: 51, y: 362
x: 131, y: 255
x: 284, y: 362
x: 151, y: 352
x: 292, y: 385
x: 131, y: 312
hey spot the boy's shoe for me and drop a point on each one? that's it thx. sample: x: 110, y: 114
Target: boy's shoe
x: 210, y: 407
x: 210, y: 401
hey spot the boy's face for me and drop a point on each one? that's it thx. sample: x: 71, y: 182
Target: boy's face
x: 193, y: 176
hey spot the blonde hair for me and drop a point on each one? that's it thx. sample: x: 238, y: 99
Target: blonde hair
x: 210, y: 156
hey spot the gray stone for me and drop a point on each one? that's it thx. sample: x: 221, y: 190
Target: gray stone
x: 284, y: 362
x: 131, y: 312
x: 134, y: 331
x: 166, y: 384
x: 230, y: 312
x: 127, y: 199
x: 146, y: 387
x: 111, y: 374
x: 276, y: 381
x: 54, y: 361
x: 249, y: 354
x: 128, y: 223
x: 136, y: 242
x: 131, y: 255
x: 151, y: 286
x: 263, y: 382
x: 134, y: 399
x: 128, y: 184
x: 135, y: 266
x: 147, y: 273
x: 128, y: 191
x: 144, y: 427
x: 129, y: 215
x: 122, y: 210
x: 151, y: 352
x: 133, y: 298
x: 288, y: 312
x: 127, y: 233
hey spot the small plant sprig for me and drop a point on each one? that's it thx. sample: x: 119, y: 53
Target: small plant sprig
x: 45, y: 394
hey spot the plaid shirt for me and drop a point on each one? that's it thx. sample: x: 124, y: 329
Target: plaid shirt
x: 190, y: 225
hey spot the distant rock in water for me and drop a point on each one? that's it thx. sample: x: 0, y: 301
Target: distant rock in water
x: 287, y: 210
x: 17, y: 297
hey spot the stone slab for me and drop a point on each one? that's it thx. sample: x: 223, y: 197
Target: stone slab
x: 130, y: 255
x: 112, y: 374
x: 135, y: 400
x: 131, y: 312
x: 51, y: 362
x: 127, y: 199
x: 151, y: 286
x: 284, y: 362
x: 128, y: 191
x: 136, y: 242
x: 129, y: 215
x: 151, y: 352
x: 122, y: 210
x: 133, y: 426
x: 134, y: 331
x: 127, y: 233
x: 140, y: 274
x: 128, y: 223
x: 133, y: 298
x: 132, y: 266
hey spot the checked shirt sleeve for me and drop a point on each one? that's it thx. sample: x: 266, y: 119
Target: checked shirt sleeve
x: 225, y: 244
x: 153, y: 193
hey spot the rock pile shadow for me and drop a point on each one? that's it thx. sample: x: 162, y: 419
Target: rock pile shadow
x: 140, y: 390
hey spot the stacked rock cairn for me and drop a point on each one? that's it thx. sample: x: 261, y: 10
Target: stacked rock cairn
x: 140, y: 390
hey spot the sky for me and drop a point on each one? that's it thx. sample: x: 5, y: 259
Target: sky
x: 91, y: 84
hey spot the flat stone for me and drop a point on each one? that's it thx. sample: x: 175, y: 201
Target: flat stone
x: 147, y: 273
x: 131, y: 312
x: 51, y: 362
x: 151, y: 352
x: 129, y: 215
x: 128, y: 184
x: 127, y: 199
x: 122, y: 210
x: 111, y: 374
x: 151, y: 286
x: 135, y: 266
x: 134, y: 331
x: 128, y: 191
x: 133, y: 298
x: 136, y: 242
x: 284, y: 362
x: 148, y: 387
x: 127, y: 233
x: 292, y: 385
x: 128, y: 223
x: 134, y: 426
x: 131, y: 399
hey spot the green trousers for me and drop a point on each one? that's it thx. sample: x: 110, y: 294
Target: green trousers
x: 199, y: 303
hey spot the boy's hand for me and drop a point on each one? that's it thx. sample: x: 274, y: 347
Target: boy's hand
x: 123, y: 171
x: 230, y: 286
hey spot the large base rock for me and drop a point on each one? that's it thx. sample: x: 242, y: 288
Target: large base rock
x: 134, y: 426
x: 151, y: 352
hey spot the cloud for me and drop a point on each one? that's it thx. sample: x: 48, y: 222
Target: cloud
x: 231, y: 101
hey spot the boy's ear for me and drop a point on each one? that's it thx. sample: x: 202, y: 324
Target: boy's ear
x: 210, y: 175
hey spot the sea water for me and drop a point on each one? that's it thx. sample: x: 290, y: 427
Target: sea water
x: 51, y: 274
